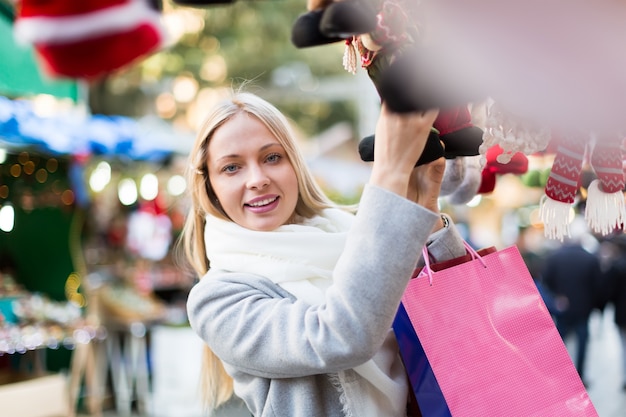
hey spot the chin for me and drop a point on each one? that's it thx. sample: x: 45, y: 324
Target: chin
x: 264, y: 226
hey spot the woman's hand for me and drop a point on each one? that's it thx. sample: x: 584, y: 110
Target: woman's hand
x: 400, y: 140
x: 425, y: 184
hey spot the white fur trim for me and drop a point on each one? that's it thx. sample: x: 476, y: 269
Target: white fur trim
x: 604, y: 211
x: 67, y: 29
x: 555, y: 217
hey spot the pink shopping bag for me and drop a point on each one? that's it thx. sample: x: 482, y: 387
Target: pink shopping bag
x: 492, y: 345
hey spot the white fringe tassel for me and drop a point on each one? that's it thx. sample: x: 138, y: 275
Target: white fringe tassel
x: 604, y: 211
x: 350, y: 56
x: 555, y: 217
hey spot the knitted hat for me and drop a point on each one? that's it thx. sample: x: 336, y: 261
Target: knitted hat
x: 605, y: 210
x: 90, y: 38
x: 562, y: 185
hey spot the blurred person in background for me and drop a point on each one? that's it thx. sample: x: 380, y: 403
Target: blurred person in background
x: 572, y: 275
x: 616, y: 295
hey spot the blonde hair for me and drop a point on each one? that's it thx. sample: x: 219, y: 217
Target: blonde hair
x: 216, y: 385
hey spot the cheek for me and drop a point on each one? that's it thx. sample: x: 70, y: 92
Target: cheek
x: 224, y: 189
x: 293, y: 184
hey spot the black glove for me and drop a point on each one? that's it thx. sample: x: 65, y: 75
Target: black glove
x: 433, y: 149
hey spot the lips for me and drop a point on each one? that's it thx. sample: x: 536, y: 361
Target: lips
x: 263, y: 202
x: 262, y: 205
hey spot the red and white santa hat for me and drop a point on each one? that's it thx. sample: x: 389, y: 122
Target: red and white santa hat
x: 90, y: 38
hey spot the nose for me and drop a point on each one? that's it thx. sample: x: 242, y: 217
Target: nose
x: 257, y: 178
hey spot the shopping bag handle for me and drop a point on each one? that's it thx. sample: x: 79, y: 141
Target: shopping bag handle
x: 473, y: 253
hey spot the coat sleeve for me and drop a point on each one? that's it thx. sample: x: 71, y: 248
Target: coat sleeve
x: 248, y: 326
x: 446, y: 244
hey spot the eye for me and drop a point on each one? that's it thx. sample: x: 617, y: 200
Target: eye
x: 230, y: 168
x: 274, y: 157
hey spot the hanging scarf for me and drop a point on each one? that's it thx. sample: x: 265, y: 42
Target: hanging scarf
x: 300, y: 258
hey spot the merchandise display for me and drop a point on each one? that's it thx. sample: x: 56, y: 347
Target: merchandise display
x: 408, y: 51
x: 106, y: 259
x: 32, y: 321
x: 124, y: 304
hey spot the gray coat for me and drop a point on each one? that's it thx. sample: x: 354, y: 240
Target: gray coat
x: 283, y: 352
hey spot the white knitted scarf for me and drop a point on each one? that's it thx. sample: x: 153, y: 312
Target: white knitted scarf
x: 300, y: 258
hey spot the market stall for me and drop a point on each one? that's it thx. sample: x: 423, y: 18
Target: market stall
x: 90, y: 208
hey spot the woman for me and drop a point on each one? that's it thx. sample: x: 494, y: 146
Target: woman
x: 300, y: 296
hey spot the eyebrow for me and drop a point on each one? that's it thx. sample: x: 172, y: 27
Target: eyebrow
x: 261, y: 149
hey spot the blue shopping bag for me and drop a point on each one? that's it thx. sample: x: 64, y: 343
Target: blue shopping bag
x: 428, y: 395
x: 424, y: 386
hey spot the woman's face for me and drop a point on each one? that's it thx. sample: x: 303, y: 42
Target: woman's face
x: 251, y: 176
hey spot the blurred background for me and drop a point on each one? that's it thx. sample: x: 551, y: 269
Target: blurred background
x: 92, y: 194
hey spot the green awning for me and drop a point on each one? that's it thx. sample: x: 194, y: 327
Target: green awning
x: 20, y: 74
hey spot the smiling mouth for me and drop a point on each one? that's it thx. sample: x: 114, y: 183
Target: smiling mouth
x: 262, y: 203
